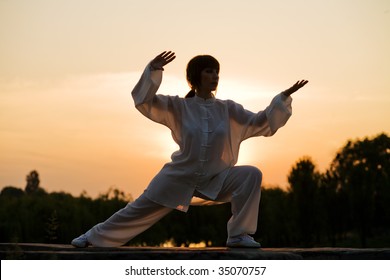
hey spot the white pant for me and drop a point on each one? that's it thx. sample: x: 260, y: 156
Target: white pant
x: 241, y: 188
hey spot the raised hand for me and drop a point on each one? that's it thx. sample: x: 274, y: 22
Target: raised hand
x: 161, y: 60
x: 295, y: 87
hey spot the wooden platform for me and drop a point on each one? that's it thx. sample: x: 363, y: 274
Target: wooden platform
x: 34, y: 251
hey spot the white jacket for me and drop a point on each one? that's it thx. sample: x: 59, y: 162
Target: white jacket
x: 208, y: 132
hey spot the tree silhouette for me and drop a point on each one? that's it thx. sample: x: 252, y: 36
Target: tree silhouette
x: 32, y: 182
x: 361, y: 171
x: 12, y: 191
x: 304, y: 188
x: 333, y: 203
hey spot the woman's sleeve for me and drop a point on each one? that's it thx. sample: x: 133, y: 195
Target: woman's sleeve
x: 264, y: 123
x: 278, y: 112
x: 158, y: 108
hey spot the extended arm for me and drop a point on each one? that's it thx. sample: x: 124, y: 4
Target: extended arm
x: 157, y: 107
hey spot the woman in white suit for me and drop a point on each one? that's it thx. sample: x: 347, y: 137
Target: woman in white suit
x: 209, y: 132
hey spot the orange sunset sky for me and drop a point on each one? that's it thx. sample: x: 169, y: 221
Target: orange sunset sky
x: 67, y: 68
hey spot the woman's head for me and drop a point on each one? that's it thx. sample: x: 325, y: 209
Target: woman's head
x: 196, y: 66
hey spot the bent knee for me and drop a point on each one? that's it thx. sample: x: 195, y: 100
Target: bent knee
x: 254, y: 173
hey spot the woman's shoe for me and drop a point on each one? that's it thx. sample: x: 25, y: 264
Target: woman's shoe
x: 80, y: 242
x: 242, y: 241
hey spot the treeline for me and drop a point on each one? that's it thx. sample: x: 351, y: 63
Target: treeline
x: 347, y: 205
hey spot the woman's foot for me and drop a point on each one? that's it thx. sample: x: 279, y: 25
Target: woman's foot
x: 242, y: 241
x: 80, y: 242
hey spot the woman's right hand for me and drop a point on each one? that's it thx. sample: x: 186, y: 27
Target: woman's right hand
x: 161, y: 60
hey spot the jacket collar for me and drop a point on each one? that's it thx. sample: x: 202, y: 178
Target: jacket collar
x: 201, y: 100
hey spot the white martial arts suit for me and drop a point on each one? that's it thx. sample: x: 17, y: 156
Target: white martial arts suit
x: 209, y: 133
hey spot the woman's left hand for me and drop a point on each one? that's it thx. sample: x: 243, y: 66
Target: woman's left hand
x: 295, y: 87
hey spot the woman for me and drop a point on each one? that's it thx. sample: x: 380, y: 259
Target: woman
x: 209, y: 132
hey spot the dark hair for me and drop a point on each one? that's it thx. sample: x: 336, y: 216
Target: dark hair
x: 195, y: 66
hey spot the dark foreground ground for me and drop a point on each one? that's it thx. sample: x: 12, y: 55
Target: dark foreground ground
x: 35, y: 251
